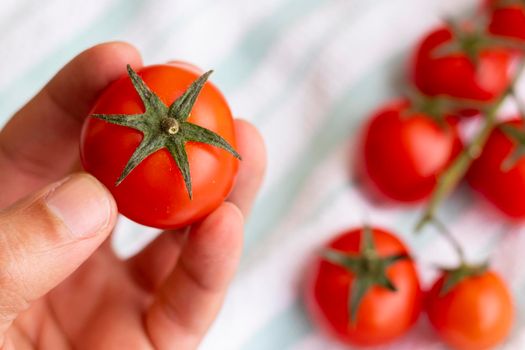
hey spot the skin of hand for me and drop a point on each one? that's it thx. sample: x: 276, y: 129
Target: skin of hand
x: 61, y: 285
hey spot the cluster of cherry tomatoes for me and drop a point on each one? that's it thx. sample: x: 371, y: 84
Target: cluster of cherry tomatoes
x: 364, y: 287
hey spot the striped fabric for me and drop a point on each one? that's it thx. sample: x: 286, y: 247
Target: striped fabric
x: 307, y: 73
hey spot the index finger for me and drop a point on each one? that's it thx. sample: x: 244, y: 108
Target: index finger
x: 40, y: 143
x: 250, y: 145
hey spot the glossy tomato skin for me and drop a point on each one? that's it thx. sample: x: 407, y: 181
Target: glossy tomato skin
x: 403, y: 152
x: 154, y: 194
x: 455, y: 75
x: 383, y: 315
x: 477, y: 314
x: 508, y: 20
x: 504, y: 188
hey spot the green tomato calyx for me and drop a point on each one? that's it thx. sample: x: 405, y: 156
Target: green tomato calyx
x: 166, y: 127
x: 455, y: 276
x: 367, y: 267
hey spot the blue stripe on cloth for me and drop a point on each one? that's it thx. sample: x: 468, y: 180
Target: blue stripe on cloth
x: 310, y: 57
x: 298, y: 72
x: 282, y: 332
x: 257, y: 42
x: 359, y: 98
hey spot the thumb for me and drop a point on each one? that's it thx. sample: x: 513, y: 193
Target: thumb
x: 45, y: 237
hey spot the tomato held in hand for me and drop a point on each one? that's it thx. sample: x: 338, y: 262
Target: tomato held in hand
x: 499, y: 172
x: 364, y: 289
x: 474, y: 314
x: 461, y: 67
x: 507, y: 18
x: 404, y: 151
x: 162, y: 141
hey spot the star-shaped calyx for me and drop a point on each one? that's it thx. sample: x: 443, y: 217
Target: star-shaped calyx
x: 367, y: 267
x: 166, y: 127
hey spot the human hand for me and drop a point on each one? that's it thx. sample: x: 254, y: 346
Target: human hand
x: 61, y: 285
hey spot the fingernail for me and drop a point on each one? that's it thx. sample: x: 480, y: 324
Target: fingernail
x: 81, y: 203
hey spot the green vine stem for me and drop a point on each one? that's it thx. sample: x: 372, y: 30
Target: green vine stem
x: 449, y: 179
x: 445, y: 233
x: 519, y: 103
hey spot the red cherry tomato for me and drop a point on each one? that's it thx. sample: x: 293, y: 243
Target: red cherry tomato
x: 404, y: 152
x: 154, y: 193
x: 455, y: 74
x: 500, y: 179
x: 382, y: 315
x: 476, y: 314
x: 507, y: 20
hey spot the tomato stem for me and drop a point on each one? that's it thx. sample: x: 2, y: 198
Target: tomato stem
x: 445, y: 233
x: 170, y: 125
x: 449, y: 179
